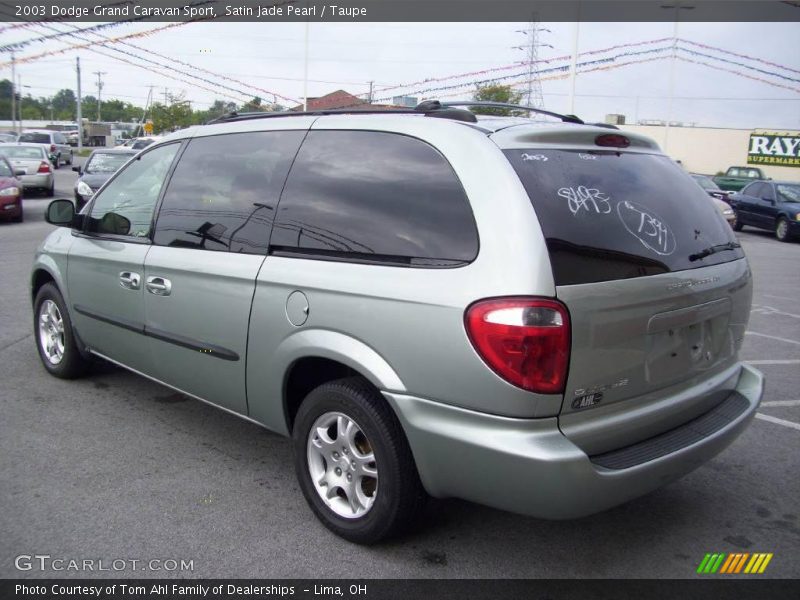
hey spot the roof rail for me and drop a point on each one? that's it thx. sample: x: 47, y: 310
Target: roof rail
x: 429, y: 108
x: 244, y: 116
x: 434, y: 105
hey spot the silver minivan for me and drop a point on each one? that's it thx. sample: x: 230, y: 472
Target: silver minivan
x: 538, y: 315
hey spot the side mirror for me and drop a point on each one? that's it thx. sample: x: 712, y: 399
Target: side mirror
x: 18, y: 172
x: 61, y: 213
x: 77, y: 169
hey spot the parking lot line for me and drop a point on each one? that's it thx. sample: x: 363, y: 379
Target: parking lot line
x: 781, y: 403
x: 769, y: 310
x: 787, y: 361
x: 772, y: 337
x: 778, y: 421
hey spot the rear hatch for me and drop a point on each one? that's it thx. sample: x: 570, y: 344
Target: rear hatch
x: 649, y: 271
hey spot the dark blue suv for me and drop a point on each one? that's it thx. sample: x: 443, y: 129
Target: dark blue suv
x: 773, y: 205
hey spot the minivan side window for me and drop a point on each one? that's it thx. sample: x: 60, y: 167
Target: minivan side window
x: 370, y: 196
x: 224, y: 190
x: 126, y: 204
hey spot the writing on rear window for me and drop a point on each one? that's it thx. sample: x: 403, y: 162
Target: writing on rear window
x: 646, y: 227
x: 585, y: 199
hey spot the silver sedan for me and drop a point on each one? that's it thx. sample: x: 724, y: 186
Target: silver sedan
x: 33, y: 159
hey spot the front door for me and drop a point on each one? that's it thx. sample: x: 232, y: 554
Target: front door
x: 105, y: 277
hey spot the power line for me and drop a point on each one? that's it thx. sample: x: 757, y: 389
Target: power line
x: 171, y: 69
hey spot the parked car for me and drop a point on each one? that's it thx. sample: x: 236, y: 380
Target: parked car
x: 726, y: 211
x: 711, y: 188
x: 717, y: 196
x: 139, y: 143
x: 771, y: 205
x: 54, y: 142
x: 508, y: 311
x: 735, y: 178
x: 33, y: 163
x: 99, y: 167
x: 7, y: 137
x: 10, y: 192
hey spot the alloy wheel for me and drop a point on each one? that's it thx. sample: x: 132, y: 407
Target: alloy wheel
x: 342, y: 465
x: 51, y: 332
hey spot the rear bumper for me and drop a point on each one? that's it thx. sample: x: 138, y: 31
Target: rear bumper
x: 528, y: 466
x: 36, y: 181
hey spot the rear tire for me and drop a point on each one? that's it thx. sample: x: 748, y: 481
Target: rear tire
x: 782, y: 230
x: 69, y: 162
x: 49, y: 193
x: 52, y: 330
x: 344, y: 433
x: 20, y: 218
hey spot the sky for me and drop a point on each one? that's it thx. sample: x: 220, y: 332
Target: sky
x: 265, y: 58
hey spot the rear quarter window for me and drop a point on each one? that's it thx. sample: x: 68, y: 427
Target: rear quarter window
x: 615, y: 215
x: 35, y: 138
x: 371, y: 196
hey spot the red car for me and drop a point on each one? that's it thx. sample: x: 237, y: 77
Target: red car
x: 10, y: 193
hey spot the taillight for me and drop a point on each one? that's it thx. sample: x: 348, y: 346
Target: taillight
x: 44, y: 167
x: 52, y: 147
x: 613, y: 140
x: 524, y: 340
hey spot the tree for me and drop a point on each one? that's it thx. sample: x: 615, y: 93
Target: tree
x: 496, y: 93
x: 64, y: 105
x: 253, y: 105
x: 175, y: 115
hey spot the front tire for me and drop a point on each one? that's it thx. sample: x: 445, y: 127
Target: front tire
x: 69, y: 162
x: 354, y: 463
x: 52, y: 329
x: 782, y: 230
x: 737, y: 223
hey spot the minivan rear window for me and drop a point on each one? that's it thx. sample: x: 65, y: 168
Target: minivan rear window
x: 610, y: 215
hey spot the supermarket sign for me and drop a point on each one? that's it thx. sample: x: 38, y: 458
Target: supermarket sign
x: 774, y: 149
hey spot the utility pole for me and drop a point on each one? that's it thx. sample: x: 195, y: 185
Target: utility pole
x: 13, y: 94
x: 99, y: 90
x: 19, y: 108
x: 79, y: 101
x: 574, y: 64
x: 166, y: 96
x: 371, y: 84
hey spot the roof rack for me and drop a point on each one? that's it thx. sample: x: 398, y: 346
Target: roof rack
x: 432, y: 105
x: 428, y: 108
x: 244, y: 116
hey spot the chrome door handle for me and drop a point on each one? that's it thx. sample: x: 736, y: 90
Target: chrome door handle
x: 130, y: 280
x: 160, y: 286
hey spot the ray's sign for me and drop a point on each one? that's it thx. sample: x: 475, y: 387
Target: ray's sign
x: 774, y: 149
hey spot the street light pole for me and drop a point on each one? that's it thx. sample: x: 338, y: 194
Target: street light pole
x: 671, y: 92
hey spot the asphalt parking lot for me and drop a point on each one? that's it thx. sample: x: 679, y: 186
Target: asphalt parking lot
x: 114, y: 466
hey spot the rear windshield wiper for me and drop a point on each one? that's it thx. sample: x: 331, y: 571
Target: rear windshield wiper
x: 714, y: 250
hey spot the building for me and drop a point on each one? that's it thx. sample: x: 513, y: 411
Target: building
x: 340, y: 99
x: 710, y: 150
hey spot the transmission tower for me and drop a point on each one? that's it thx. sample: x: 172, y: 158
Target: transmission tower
x: 531, y: 47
